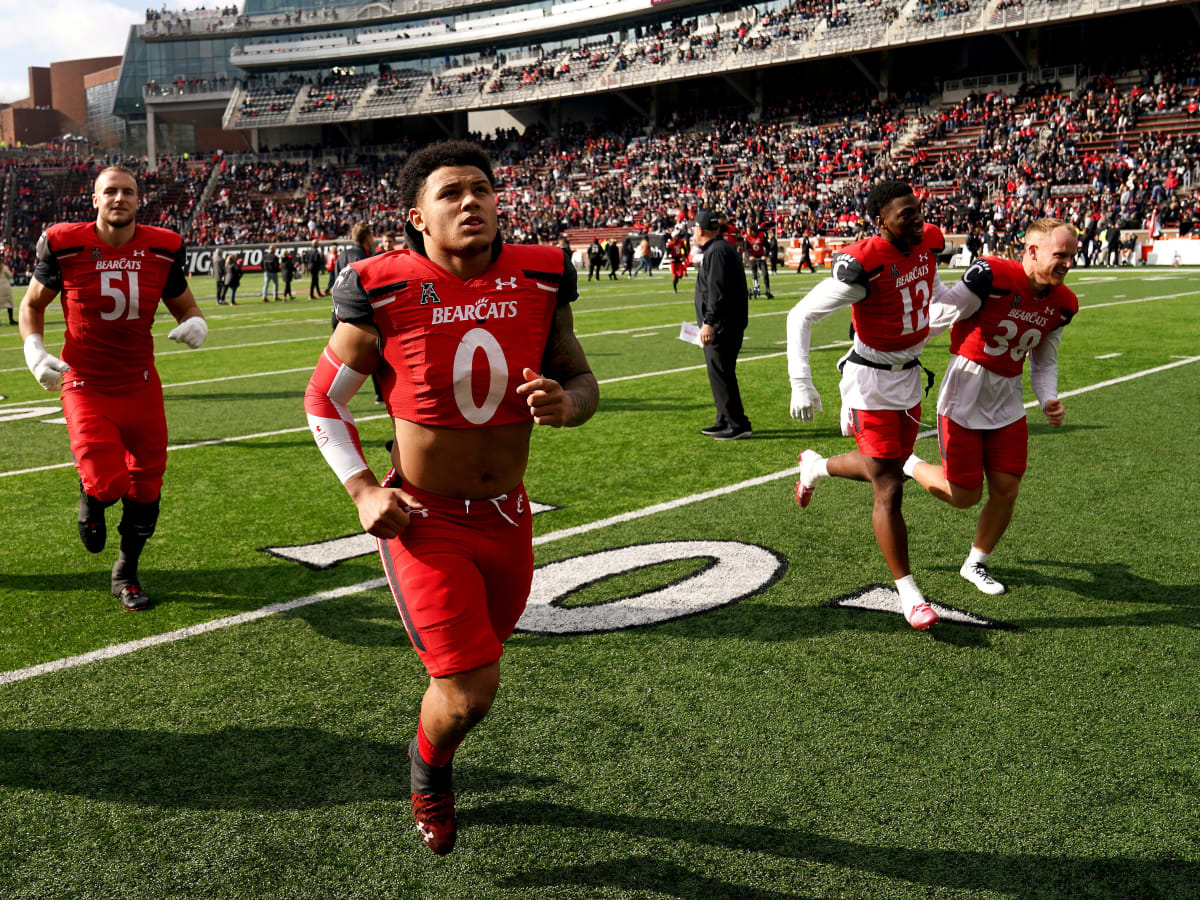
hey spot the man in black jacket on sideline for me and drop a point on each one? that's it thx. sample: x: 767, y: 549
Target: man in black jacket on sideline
x: 722, y: 309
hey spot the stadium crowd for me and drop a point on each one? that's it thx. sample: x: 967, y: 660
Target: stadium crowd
x: 986, y: 166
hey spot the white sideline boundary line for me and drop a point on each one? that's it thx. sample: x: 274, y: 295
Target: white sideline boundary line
x: 115, y: 650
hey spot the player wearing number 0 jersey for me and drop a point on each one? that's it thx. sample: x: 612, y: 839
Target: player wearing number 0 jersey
x: 1002, y: 312
x: 112, y: 273
x: 474, y: 344
x: 888, y: 281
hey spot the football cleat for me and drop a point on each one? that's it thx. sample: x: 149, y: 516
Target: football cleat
x: 133, y: 598
x: 807, y: 483
x: 714, y: 429
x: 436, y: 821
x: 921, y: 616
x: 978, y: 575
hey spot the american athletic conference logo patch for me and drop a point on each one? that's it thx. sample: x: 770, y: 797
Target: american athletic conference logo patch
x: 428, y: 294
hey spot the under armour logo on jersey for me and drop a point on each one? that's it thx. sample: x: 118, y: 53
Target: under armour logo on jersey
x: 139, y: 252
x: 428, y: 294
x: 502, y: 283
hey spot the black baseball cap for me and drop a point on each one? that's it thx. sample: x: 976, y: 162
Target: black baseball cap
x: 708, y: 220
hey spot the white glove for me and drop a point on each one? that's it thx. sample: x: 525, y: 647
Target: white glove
x: 805, y: 401
x: 47, y: 369
x: 191, y: 331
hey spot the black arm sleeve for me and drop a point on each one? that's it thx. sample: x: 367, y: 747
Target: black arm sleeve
x: 47, y: 270
x: 568, y: 288
x: 849, y: 270
x: 350, y: 301
x: 978, y: 279
x: 177, y: 281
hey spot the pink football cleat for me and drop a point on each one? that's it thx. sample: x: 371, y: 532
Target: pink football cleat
x: 922, y: 616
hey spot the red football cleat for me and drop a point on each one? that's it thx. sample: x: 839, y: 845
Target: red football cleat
x: 922, y: 616
x: 436, y: 821
x: 803, y: 494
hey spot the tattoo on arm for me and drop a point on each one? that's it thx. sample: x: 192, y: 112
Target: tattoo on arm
x: 564, y: 361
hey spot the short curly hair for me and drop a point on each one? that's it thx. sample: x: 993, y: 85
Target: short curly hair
x: 427, y: 160
x: 883, y: 194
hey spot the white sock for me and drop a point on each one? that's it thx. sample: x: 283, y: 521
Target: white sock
x: 910, y: 464
x: 817, y: 466
x: 977, y: 556
x: 910, y: 594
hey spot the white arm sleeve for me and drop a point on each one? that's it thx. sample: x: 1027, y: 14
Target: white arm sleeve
x: 951, y: 304
x: 1043, y: 368
x: 823, y: 300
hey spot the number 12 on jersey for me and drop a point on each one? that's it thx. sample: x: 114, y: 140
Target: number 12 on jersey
x: 110, y: 286
x: 916, y: 315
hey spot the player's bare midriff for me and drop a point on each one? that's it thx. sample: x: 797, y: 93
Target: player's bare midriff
x: 468, y: 463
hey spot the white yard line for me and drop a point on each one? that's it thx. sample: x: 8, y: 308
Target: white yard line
x: 116, y: 650
x: 1109, y: 355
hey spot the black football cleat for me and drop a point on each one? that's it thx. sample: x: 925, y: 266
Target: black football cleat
x: 133, y: 598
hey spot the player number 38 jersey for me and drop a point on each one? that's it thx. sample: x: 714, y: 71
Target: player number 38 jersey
x: 1010, y: 322
x: 453, y: 351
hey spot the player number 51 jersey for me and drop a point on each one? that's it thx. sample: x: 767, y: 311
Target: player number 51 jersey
x: 109, y: 296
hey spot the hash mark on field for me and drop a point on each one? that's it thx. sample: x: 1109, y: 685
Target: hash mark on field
x: 1108, y: 356
x: 647, y: 334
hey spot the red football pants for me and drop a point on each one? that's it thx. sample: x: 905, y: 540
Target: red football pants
x: 118, y: 439
x: 460, y: 574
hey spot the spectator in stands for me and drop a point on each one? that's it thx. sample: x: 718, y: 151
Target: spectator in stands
x: 233, y: 277
x: 270, y: 269
x: 287, y: 263
x: 314, y: 260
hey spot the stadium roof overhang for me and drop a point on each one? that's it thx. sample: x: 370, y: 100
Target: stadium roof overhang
x: 568, y: 26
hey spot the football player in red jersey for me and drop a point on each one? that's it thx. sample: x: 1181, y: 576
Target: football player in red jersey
x: 112, y: 274
x: 888, y: 282
x: 756, y: 249
x: 474, y: 343
x: 1002, y: 312
x: 677, y: 252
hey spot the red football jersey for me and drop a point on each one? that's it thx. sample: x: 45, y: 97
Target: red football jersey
x: 453, y: 350
x: 676, y: 250
x: 756, y: 244
x: 109, y: 296
x: 1011, y: 321
x: 895, y: 313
